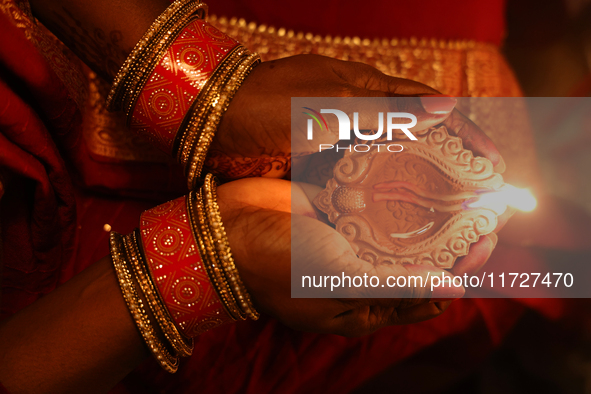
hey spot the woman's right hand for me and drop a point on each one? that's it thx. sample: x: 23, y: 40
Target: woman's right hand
x: 268, y: 234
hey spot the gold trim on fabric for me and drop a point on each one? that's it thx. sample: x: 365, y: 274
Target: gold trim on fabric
x: 62, y: 61
x: 106, y: 134
x: 459, y: 68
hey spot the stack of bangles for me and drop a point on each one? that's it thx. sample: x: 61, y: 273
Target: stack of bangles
x: 179, y: 263
x: 176, y: 272
x: 178, y: 81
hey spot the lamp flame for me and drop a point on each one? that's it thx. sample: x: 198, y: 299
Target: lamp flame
x: 506, y: 195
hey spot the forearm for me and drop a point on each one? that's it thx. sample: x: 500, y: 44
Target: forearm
x: 101, y: 33
x: 171, y: 280
x: 79, y: 338
x: 131, y: 43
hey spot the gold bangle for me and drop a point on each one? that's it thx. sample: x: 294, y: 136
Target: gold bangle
x: 203, y: 111
x: 223, y: 248
x: 195, y: 113
x: 210, y: 263
x: 206, y: 249
x: 144, y: 49
x: 182, y: 345
x: 152, y: 57
x: 136, y: 308
x: 162, y: 24
x: 215, y: 108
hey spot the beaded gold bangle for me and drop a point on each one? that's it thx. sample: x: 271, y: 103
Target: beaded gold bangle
x: 214, y: 108
x: 151, y: 59
x: 199, y: 112
x: 182, y: 345
x: 196, y: 112
x: 216, y: 105
x: 210, y: 262
x: 148, y: 48
x: 218, y: 233
x: 135, y: 305
x: 156, y: 114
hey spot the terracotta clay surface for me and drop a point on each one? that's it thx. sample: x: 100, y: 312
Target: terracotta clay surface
x: 410, y: 206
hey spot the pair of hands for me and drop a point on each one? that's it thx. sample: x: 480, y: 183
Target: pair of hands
x: 260, y: 213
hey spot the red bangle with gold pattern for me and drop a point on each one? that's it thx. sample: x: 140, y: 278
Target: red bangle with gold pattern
x: 176, y: 82
x: 173, y: 258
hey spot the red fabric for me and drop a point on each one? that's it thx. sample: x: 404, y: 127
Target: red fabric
x: 38, y: 209
x: 450, y: 19
x: 266, y: 357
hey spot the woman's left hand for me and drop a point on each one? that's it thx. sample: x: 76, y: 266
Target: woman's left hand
x: 255, y: 136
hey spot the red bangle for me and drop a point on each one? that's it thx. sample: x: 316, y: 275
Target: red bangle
x: 177, y: 80
x: 174, y: 261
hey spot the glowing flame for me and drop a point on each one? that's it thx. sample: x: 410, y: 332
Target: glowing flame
x: 499, y: 199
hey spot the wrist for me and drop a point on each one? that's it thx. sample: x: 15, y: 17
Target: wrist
x: 177, y: 274
x: 178, y: 82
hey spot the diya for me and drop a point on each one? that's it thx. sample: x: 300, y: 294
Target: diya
x: 423, y: 205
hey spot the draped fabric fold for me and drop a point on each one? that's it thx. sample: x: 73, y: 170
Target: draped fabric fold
x: 38, y: 206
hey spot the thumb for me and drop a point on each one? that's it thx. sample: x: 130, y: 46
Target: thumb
x: 366, y: 81
x: 429, y: 110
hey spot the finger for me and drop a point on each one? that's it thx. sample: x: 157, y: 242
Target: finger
x: 383, y: 99
x: 406, y: 285
x: 364, y: 76
x: 473, y: 138
x: 428, y: 110
x: 365, y: 319
x: 319, y: 251
x: 362, y: 80
x: 418, y: 313
x: 354, y: 322
x: 500, y: 167
x: 478, y: 256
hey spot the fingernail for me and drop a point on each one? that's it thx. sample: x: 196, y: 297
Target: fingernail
x: 438, y: 103
x: 501, y: 166
x: 448, y: 292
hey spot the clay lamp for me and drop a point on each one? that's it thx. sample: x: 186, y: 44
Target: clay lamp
x: 423, y: 205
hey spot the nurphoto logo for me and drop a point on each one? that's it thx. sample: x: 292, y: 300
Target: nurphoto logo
x: 345, y: 129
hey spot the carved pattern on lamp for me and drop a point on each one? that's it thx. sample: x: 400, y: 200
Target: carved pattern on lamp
x: 407, y: 207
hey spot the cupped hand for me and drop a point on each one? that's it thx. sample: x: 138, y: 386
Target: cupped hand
x: 259, y: 116
x: 255, y: 135
x: 268, y: 235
